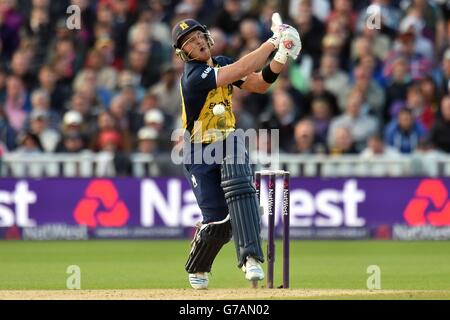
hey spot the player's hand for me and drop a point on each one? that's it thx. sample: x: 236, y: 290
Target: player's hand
x: 291, y: 42
x: 276, y: 28
x: 290, y: 45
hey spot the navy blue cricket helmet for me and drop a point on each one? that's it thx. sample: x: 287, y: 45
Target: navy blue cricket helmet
x: 184, y: 27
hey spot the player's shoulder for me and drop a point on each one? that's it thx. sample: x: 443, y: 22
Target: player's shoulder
x: 197, y: 76
x: 193, y: 69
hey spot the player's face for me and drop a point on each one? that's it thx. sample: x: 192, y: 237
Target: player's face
x: 196, y: 46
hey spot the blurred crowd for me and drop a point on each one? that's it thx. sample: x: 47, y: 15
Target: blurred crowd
x: 373, y: 77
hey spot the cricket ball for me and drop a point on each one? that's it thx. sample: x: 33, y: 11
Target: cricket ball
x: 218, y: 109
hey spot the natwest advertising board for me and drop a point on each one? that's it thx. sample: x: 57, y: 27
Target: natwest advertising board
x: 402, y: 208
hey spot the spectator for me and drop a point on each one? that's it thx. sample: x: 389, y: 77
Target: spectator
x: 104, y: 15
x: 404, y: 132
x: 311, y: 30
x: 71, y: 142
x: 155, y: 118
x: 250, y: 33
x: 321, y: 116
x: 430, y: 94
x: 361, y: 125
x: 442, y: 74
x: 319, y: 8
x: 336, y: 81
x: 146, y: 55
x: 148, y: 141
x: 306, y: 140
x: 65, y: 59
x: 123, y: 16
x: 49, y: 82
x: 220, y: 47
x: 17, y: 102
x: 10, y: 23
x: 182, y: 11
x: 318, y: 90
x: 381, y: 42
x: 28, y: 143
x: 129, y: 82
x: 39, y: 27
x: 229, y: 18
x: 21, y: 67
x: 342, y: 143
x: 447, y: 39
x: 160, y: 11
x: 149, y: 102
x: 152, y: 15
x: 119, y: 110
x: 285, y: 82
x: 72, y: 122
x: 244, y: 119
x: 112, y: 159
x: 300, y: 73
x: 167, y: 91
x: 415, y: 101
x: 432, y: 17
x: 283, y: 117
x: 39, y: 125
x: 342, y: 10
x: 377, y: 149
x: 397, y: 87
x: 360, y: 48
x: 374, y: 67
x: 86, y: 81
x: 7, y: 133
x: 107, y: 48
x: 373, y: 94
x: 440, y: 133
x: 337, y: 40
x: 362, y: 53
x: 424, y: 154
x: 109, y: 140
x: 106, y: 122
x: 138, y: 61
x: 414, y: 25
x: 40, y: 101
x: 418, y: 65
x: 106, y: 76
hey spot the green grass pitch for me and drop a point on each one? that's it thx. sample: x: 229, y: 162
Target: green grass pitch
x: 160, y: 264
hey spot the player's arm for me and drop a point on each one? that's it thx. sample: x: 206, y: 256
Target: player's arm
x: 256, y: 81
x: 290, y: 46
x: 245, y: 66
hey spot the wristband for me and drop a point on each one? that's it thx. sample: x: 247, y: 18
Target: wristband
x: 268, y: 75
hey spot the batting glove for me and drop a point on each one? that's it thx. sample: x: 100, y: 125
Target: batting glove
x: 290, y: 45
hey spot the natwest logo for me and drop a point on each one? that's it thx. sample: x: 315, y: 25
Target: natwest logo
x: 431, y: 204
x: 327, y: 208
x: 14, y: 206
x: 101, y: 206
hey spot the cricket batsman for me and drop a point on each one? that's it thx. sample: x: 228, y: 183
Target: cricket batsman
x: 224, y: 189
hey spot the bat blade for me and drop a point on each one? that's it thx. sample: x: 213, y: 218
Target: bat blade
x: 276, y: 19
